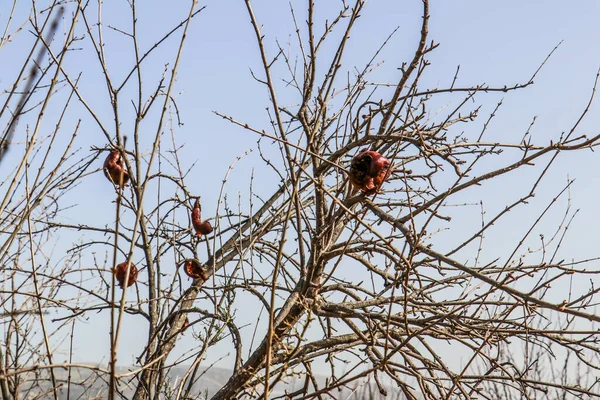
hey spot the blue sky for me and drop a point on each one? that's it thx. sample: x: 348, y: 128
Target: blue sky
x: 495, y: 43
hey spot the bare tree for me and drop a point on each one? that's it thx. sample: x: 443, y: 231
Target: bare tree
x: 344, y: 257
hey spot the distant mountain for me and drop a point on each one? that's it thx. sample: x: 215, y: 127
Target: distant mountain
x: 89, y: 385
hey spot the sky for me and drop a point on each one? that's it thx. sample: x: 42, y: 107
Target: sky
x: 494, y: 43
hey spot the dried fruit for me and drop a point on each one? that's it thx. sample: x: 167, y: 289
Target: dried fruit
x: 201, y: 227
x: 368, y: 171
x: 120, y: 272
x: 114, y: 169
x: 194, y: 269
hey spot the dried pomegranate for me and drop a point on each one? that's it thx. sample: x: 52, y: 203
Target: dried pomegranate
x: 201, y: 227
x: 368, y: 171
x: 114, y: 169
x: 194, y: 269
x: 120, y: 272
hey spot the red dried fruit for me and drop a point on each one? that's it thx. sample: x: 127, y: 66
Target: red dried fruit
x: 201, y: 227
x: 368, y: 171
x: 114, y: 169
x: 194, y: 269
x: 120, y: 272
